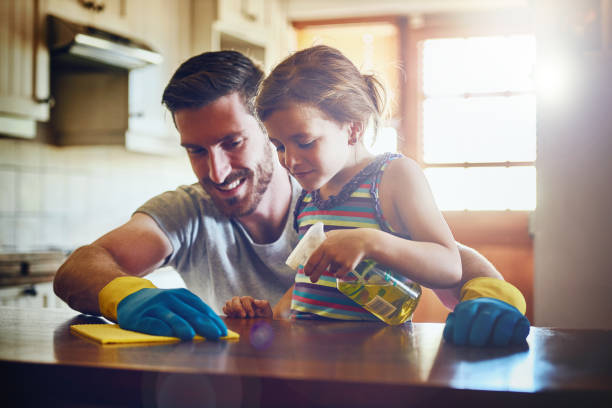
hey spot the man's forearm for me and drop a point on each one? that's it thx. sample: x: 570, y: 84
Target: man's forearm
x: 473, y: 265
x: 86, y: 271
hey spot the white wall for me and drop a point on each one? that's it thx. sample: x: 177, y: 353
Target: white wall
x: 573, y: 240
x: 65, y: 197
x: 573, y: 225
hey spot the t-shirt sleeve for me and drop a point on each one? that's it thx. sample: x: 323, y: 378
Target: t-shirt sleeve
x: 178, y: 214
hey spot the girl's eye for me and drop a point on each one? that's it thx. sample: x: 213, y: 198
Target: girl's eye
x: 280, y: 148
x: 306, y: 144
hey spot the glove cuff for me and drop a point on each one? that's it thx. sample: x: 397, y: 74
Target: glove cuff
x: 116, y: 290
x: 494, y: 288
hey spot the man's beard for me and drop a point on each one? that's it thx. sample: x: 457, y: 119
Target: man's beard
x: 240, y: 207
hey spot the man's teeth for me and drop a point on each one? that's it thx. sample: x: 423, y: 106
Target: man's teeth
x: 230, y: 186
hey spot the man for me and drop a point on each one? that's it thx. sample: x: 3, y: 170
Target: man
x: 231, y: 233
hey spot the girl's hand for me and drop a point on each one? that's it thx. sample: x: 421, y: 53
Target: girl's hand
x: 342, y: 251
x: 246, y: 306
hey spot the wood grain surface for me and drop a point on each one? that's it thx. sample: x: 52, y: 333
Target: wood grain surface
x: 299, y: 363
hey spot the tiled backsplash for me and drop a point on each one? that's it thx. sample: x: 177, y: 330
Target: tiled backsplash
x: 64, y: 197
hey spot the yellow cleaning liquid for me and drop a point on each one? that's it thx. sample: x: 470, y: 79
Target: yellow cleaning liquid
x: 387, y: 302
x: 390, y: 299
x: 389, y: 296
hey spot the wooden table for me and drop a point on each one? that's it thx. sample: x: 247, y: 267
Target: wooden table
x: 299, y: 364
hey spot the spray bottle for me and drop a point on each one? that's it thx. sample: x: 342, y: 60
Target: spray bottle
x: 386, y: 294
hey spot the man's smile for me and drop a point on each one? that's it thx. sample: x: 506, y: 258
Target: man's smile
x: 230, y: 186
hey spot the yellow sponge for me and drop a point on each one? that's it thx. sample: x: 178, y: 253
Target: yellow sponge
x: 113, y: 334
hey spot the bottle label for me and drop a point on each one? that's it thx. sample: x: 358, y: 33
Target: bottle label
x: 380, y: 306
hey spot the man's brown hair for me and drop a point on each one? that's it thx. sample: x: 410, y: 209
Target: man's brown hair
x: 206, y: 77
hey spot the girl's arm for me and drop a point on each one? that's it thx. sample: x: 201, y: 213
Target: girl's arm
x: 282, y: 309
x: 431, y: 258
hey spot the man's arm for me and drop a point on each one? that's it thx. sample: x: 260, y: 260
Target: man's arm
x: 473, y: 265
x: 135, y: 248
x: 486, y: 309
x: 102, y: 278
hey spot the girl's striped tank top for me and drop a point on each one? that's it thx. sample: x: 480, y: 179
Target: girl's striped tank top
x: 356, y: 206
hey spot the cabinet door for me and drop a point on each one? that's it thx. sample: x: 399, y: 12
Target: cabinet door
x: 244, y: 12
x: 165, y: 26
x: 110, y: 15
x: 24, y: 68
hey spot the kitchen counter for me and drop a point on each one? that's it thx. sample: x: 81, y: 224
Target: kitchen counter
x: 299, y: 364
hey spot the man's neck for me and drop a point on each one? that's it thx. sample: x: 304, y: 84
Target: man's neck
x: 267, y: 222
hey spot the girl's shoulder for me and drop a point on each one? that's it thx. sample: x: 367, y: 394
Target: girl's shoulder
x: 402, y: 177
x: 398, y: 167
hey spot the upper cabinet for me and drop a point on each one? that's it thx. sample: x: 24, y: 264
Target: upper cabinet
x: 136, y: 118
x: 24, y: 68
x: 87, y: 105
x: 243, y: 12
x: 257, y: 28
x: 108, y: 15
x: 166, y: 26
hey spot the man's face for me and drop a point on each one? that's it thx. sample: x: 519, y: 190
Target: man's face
x: 229, y: 153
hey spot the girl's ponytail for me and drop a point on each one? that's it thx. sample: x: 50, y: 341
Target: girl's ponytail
x: 378, y: 97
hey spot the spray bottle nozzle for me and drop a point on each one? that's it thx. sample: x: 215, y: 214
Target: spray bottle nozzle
x: 307, y: 245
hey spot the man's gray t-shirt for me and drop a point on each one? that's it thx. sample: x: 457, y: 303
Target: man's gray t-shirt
x: 215, y: 255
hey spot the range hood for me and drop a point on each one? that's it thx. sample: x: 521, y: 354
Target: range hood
x: 91, y: 45
x: 90, y: 70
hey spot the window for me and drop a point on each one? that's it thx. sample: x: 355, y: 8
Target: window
x: 476, y: 113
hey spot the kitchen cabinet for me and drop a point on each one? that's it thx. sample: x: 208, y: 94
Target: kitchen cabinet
x: 175, y: 29
x: 240, y: 25
x: 25, y: 83
x: 24, y: 68
x: 181, y: 29
x: 249, y: 13
x: 257, y: 28
x: 25, y: 91
x: 108, y: 15
x: 165, y: 26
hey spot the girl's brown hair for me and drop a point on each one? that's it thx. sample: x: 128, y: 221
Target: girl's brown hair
x: 323, y: 77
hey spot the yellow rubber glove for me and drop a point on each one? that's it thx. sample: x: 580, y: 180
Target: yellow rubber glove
x: 118, y: 289
x: 496, y: 289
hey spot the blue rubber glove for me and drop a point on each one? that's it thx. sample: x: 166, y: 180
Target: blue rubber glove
x: 486, y: 322
x: 169, y: 312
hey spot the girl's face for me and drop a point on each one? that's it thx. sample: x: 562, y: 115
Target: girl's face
x: 313, y: 147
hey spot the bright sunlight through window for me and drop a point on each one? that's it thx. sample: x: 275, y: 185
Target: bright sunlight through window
x: 478, y: 113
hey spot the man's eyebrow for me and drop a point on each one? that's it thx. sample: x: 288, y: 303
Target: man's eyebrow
x: 225, y: 138
x: 189, y: 145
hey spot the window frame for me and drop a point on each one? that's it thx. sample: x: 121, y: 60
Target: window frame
x: 437, y: 26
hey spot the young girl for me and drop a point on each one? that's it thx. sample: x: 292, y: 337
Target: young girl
x: 316, y: 107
